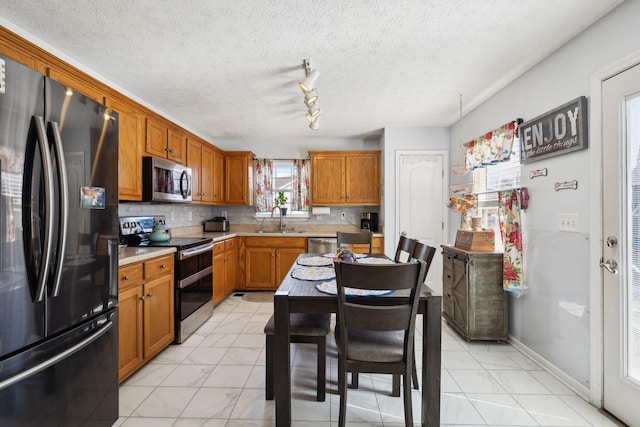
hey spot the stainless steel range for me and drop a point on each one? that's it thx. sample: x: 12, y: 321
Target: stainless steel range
x: 193, y: 271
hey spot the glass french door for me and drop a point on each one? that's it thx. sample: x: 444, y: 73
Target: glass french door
x: 621, y: 245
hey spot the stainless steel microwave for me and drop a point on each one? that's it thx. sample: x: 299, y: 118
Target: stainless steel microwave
x: 165, y: 181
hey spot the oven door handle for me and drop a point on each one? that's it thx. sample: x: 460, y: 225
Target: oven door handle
x: 194, y: 277
x: 188, y: 253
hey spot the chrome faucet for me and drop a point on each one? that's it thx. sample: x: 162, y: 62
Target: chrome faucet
x: 279, y: 210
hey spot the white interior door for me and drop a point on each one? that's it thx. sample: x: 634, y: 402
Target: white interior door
x: 621, y: 245
x: 420, y: 206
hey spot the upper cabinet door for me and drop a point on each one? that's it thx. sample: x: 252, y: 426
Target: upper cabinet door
x: 131, y: 134
x: 363, y: 179
x: 194, y: 161
x: 176, y: 146
x: 156, y: 142
x: 239, y: 177
x: 327, y: 179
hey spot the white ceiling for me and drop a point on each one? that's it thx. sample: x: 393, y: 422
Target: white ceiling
x: 228, y: 69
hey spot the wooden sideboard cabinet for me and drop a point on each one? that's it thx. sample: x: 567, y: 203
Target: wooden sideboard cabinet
x: 473, y: 301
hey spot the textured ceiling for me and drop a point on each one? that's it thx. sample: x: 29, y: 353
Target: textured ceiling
x: 229, y: 68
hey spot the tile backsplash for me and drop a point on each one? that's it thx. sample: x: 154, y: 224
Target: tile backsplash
x: 186, y: 215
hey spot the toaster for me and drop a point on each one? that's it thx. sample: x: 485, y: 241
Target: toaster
x: 218, y: 223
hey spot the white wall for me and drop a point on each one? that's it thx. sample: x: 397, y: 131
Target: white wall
x: 395, y: 139
x: 552, y: 318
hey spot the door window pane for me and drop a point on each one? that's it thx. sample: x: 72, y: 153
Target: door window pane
x: 631, y: 313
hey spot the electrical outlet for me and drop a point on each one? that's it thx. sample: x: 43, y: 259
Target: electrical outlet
x: 173, y: 215
x: 190, y: 215
x: 343, y: 216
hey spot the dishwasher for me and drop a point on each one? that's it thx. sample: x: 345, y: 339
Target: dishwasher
x: 322, y: 245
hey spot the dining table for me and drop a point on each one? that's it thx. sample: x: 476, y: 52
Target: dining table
x: 299, y: 293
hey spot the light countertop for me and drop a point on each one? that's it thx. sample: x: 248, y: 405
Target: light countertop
x: 136, y: 254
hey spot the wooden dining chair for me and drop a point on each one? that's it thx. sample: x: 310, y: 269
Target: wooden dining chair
x: 424, y: 252
x: 303, y: 328
x: 405, y: 247
x: 357, y: 238
x: 375, y: 334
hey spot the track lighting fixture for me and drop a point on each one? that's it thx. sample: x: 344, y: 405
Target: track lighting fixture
x: 308, y: 86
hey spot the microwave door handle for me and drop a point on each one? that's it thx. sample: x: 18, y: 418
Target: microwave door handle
x: 63, y: 189
x: 184, y: 190
x: 45, y: 155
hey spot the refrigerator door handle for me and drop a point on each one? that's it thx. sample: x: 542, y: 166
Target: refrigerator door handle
x: 57, y: 358
x: 63, y: 191
x: 45, y: 154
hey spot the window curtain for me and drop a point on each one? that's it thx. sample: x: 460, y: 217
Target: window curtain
x: 490, y: 148
x: 511, y: 232
x: 300, y: 196
x: 264, y: 184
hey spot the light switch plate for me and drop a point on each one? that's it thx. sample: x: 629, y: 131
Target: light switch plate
x: 569, y: 222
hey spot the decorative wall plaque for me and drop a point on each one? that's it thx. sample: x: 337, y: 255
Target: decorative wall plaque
x: 556, y: 132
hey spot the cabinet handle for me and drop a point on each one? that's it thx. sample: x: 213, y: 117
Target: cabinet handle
x: 449, y: 295
x: 142, y: 298
x: 171, y: 150
x: 150, y: 294
x: 448, y: 276
x: 125, y: 277
x: 163, y: 266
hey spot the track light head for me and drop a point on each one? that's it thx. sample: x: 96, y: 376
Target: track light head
x: 314, y: 110
x: 310, y: 97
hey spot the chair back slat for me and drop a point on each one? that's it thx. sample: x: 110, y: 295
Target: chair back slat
x: 371, y: 276
x: 378, y: 318
x: 406, y: 246
x: 424, y: 252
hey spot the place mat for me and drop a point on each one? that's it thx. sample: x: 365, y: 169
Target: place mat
x: 331, y: 288
x: 373, y: 260
x: 315, y: 261
x: 332, y: 255
x: 313, y: 273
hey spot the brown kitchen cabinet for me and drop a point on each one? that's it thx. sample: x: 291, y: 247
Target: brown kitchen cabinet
x: 165, y: 142
x: 268, y: 259
x: 377, y: 247
x: 225, y: 269
x: 238, y: 169
x: 218, y: 273
x: 231, y: 249
x: 200, y: 160
x: 218, y: 176
x: 131, y: 139
x: 345, y: 177
x: 473, y: 301
x: 146, y: 312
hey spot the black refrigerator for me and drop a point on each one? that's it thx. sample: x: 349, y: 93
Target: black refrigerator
x: 58, y: 254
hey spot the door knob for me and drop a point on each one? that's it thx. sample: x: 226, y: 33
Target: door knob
x: 610, y: 265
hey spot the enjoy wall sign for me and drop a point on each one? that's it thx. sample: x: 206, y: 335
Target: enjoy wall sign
x: 556, y: 132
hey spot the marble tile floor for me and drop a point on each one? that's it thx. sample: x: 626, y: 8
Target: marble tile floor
x: 216, y: 378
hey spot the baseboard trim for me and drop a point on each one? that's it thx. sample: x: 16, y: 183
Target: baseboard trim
x: 578, y: 388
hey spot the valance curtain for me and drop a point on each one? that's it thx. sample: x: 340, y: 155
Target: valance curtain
x: 492, y: 147
x: 511, y: 231
x: 300, y: 196
x: 264, y: 184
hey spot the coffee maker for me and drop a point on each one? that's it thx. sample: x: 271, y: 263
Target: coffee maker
x: 369, y: 221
